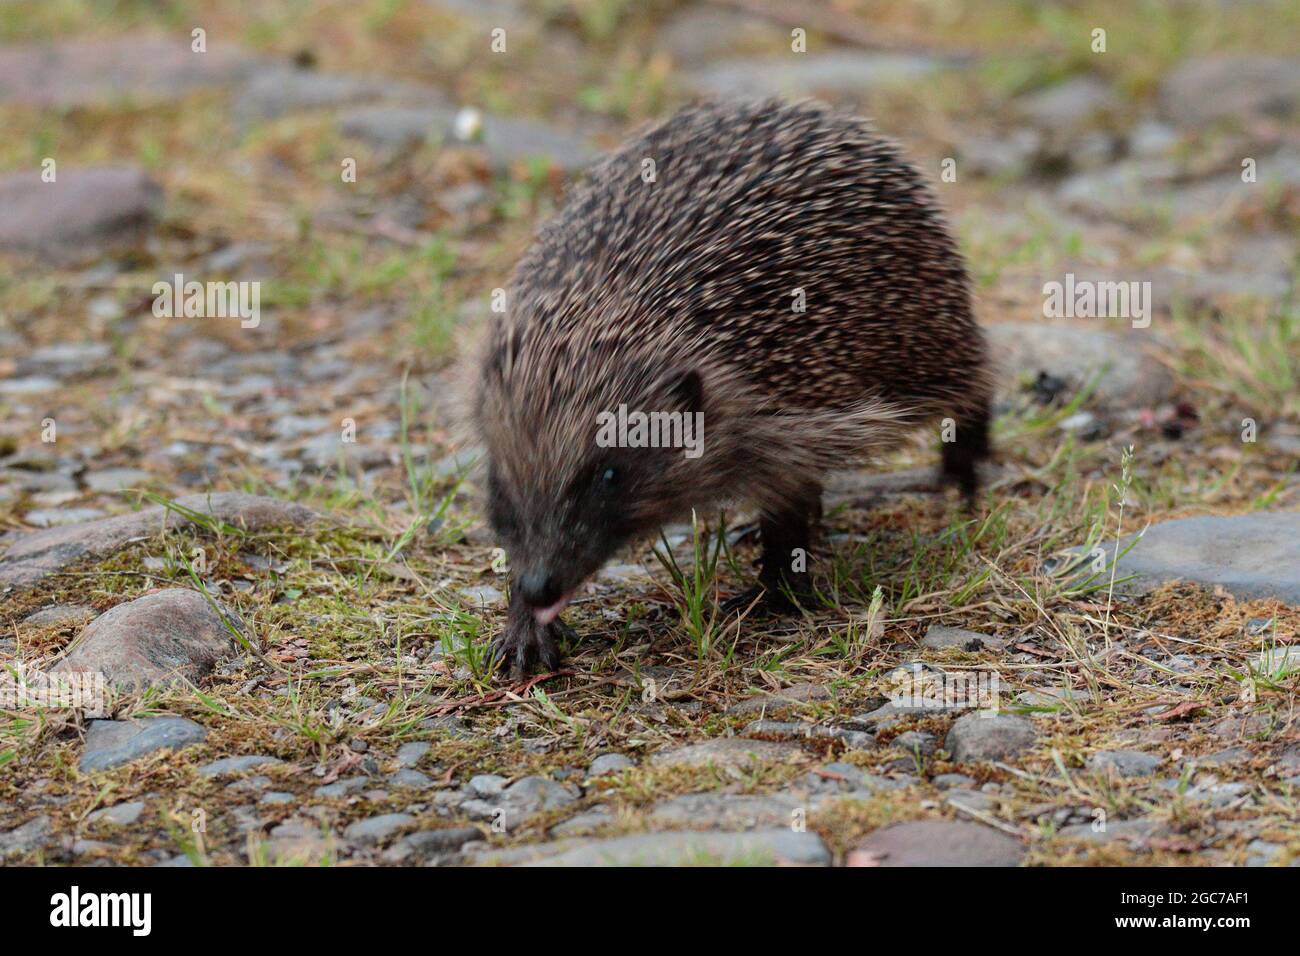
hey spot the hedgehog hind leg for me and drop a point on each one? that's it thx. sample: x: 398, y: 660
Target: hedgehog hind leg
x: 962, y: 455
x: 787, y: 533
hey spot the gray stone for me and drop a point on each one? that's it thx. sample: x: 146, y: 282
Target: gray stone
x: 276, y: 798
x: 725, y: 811
x: 1206, y: 90
x: 534, y: 794
x: 111, y: 743
x: 486, y: 785
x: 1281, y: 661
x: 1210, y: 791
x: 483, y: 596
x: 58, y: 517
x: 410, y: 755
x: 726, y: 753
x: 1127, y: 374
x: 1264, y: 853
x: 508, y: 141
x: 585, y: 823
x: 1000, y: 157
x: 1050, y: 699
x: 140, y: 68
x: 796, y: 730
x: 380, y: 829
x: 168, y: 637
x: 703, y: 34
x: 788, y: 698
x: 608, y: 764
x: 850, y: 73
x: 274, y: 93
x: 397, y: 126
x: 80, y: 209
x: 938, y: 637
x: 121, y: 814
x: 1135, y: 832
x: 995, y: 737
x: 410, y: 778
x: 341, y: 788
x: 504, y: 140
x: 450, y: 725
x: 65, y: 358
x: 116, y: 479
x: 35, y: 556
x: 1251, y: 556
x: 1068, y: 107
x: 428, y: 844
x: 937, y: 843
x: 299, y: 841
x: 231, y: 765
x: 915, y: 741
x: 754, y: 848
x: 31, y: 384
x: 1151, y: 139
x: 60, y: 614
x: 970, y: 801
x: 1124, y: 763
x: 1228, y: 757
x: 844, y: 781
x: 949, y: 781
x: 25, y: 838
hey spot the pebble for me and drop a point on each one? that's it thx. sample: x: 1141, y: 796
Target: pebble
x: 853, y: 739
x: 410, y: 754
x: 937, y: 843
x: 996, y: 737
x: 83, y: 208
x: 111, y: 743
x: 1252, y: 556
x: 374, y: 830
x: 410, y: 778
x: 60, y: 614
x: 609, y: 764
x: 1124, y: 763
x: 33, y: 557
x: 121, y: 814
x: 727, y: 753
x: 937, y: 637
x: 725, y: 811
x: 231, y: 765
x: 26, y: 837
x: 167, y: 637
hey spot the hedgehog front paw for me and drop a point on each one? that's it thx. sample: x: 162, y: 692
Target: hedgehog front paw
x: 526, y: 644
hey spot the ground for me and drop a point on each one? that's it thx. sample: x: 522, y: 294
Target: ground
x: 293, y: 614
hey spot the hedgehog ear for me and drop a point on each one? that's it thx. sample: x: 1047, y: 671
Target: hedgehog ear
x: 686, y: 388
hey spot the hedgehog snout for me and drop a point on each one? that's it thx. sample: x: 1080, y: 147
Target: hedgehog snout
x: 539, y: 588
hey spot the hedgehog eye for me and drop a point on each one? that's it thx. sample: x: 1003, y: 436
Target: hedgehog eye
x: 609, y: 478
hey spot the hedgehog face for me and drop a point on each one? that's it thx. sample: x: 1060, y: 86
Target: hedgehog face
x: 564, y: 496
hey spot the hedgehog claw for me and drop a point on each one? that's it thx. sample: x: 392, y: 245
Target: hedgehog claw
x: 525, y: 645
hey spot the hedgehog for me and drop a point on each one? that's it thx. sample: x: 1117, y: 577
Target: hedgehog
x: 771, y: 285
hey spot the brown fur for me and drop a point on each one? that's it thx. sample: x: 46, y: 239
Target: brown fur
x: 635, y: 285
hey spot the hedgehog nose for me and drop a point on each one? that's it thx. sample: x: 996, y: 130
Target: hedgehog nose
x: 539, y: 588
